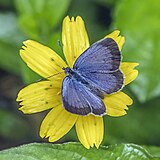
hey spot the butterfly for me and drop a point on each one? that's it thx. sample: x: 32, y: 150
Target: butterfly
x: 95, y: 74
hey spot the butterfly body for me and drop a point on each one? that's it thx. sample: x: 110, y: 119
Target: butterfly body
x: 94, y: 74
x: 73, y: 74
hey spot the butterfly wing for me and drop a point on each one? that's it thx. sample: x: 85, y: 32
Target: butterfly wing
x: 99, y: 65
x: 107, y: 83
x: 78, y: 99
x: 102, y: 56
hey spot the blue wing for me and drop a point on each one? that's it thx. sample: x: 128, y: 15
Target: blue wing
x: 99, y: 65
x: 102, y: 56
x: 78, y: 99
x: 106, y: 83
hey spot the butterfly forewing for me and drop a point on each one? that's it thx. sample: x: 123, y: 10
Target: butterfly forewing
x: 78, y: 99
x: 102, y: 56
x: 99, y: 65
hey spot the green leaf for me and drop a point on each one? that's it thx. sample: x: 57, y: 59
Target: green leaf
x: 139, y: 23
x: 153, y: 150
x: 39, y: 18
x: 10, y: 39
x: 71, y: 151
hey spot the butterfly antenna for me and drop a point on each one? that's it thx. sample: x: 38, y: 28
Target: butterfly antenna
x: 46, y: 78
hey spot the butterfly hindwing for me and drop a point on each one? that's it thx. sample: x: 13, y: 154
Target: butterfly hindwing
x: 78, y: 99
x: 102, y: 56
x: 106, y: 82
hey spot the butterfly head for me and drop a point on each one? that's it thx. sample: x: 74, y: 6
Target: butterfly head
x: 68, y: 70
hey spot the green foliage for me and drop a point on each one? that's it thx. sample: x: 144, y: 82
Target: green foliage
x: 138, y: 126
x: 75, y: 151
x: 11, y: 126
x: 107, y: 3
x: 39, y: 18
x: 153, y: 151
x: 6, y: 3
x: 139, y: 22
x: 10, y: 39
x: 94, y: 19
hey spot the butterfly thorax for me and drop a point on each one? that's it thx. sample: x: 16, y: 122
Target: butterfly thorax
x: 68, y: 70
x: 74, y: 74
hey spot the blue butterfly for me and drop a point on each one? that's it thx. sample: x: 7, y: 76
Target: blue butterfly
x: 94, y: 74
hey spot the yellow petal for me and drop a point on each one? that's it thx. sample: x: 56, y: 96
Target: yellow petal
x: 41, y: 59
x: 117, y: 38
x: 74, y: 38
x: 39, y: 96
x: 90, y: 130
x: 57, y: 123
x: 129, y: 72
x: 116, y: 104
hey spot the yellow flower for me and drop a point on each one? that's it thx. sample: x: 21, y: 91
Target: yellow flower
x: 45, y: 95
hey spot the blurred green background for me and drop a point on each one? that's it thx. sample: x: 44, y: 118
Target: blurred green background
x: 41, y: 20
